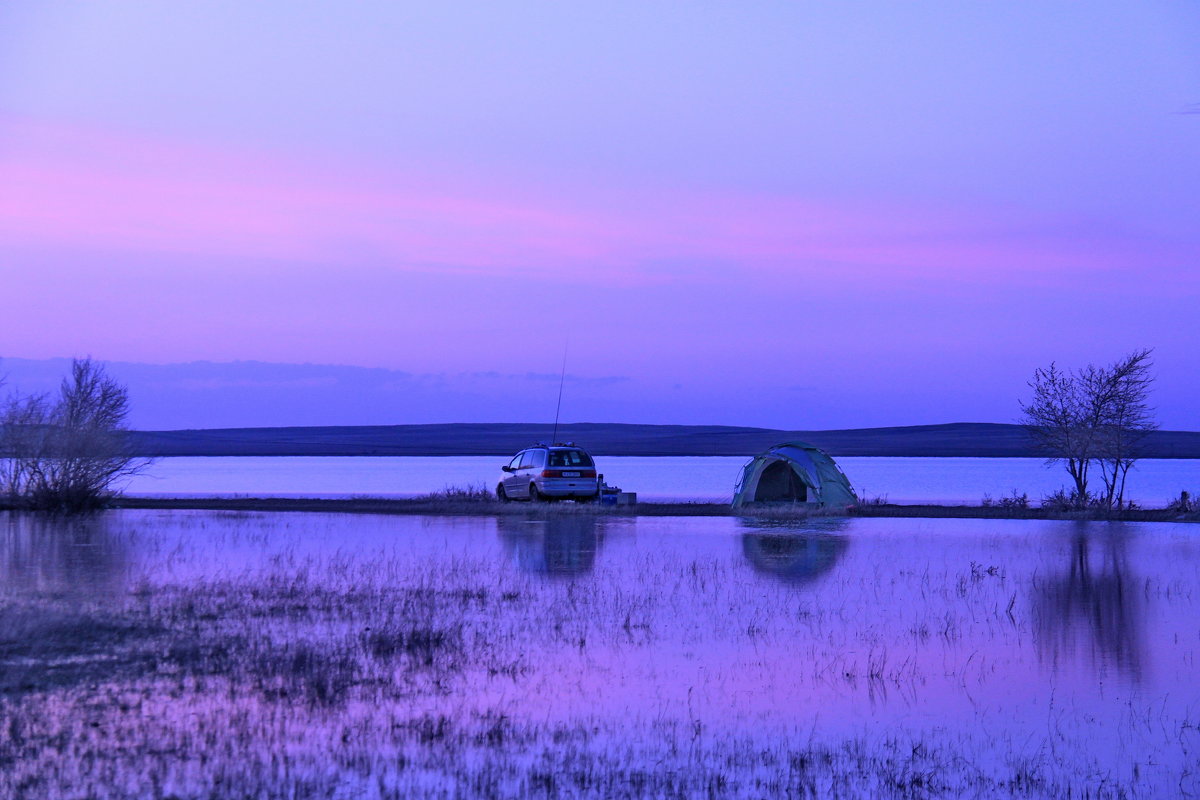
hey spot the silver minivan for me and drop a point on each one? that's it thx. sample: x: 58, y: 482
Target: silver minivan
x: 549, y: 472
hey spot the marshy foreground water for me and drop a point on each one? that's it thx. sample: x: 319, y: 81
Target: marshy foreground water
x: 204, y: 654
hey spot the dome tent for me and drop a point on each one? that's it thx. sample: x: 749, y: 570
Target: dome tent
x: 793, y: 472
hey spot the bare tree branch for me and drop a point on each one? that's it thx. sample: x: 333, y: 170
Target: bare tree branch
x: 1095, y: 415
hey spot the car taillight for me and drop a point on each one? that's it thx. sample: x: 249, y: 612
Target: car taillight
x: 588, y: 473
x: 551, y: 473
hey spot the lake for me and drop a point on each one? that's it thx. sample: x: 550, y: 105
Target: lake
x: 1154, y: 482
x: 197, y: 654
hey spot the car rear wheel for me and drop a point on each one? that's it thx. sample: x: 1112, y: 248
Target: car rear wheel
x: 534, y: 495
x: 501, y: 495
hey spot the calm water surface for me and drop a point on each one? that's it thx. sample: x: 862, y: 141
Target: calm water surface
x: 1062, y: 651
x: 1154, y: 482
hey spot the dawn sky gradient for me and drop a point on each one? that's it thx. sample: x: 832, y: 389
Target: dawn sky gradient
x: 799, y: 215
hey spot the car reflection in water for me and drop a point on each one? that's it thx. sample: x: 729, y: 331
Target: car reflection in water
x: 1093, y: 604
x: 557, y: 546
x: 794, y: 554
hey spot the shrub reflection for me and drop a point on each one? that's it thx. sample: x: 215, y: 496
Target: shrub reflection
x: 76, y: 556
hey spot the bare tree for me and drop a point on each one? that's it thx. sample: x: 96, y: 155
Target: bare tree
x: 1126, y: 421
x: 1096, y: 415
x: 1056, y: 419
x: 68, y: 456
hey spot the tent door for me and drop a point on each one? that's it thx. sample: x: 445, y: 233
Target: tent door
x: 779, y: 482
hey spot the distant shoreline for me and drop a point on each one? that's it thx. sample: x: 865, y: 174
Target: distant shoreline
x: 960, y: 439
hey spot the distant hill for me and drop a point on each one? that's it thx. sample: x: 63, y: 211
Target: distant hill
x: 458, y: 439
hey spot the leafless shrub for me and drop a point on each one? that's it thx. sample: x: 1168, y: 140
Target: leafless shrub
x: 1012, y: 502
x: 67, y: 455
x: 1186, y: 503
x: 865, y: 499
x: 473, y: 493
x: 1063, y: 500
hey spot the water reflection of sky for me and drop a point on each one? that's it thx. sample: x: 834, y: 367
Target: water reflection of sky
x: 989, y: 628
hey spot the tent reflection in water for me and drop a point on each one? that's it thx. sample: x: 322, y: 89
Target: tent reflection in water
x: 794, y: 557
x: 796, y: 473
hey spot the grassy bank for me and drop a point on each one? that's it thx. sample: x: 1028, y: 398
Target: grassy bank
x: 440, y: 505
x: 450, y: 505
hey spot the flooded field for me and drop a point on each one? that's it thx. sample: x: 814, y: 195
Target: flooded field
x: 196, y: 654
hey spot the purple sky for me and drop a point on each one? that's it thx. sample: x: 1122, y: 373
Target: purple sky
x: 801, y: 215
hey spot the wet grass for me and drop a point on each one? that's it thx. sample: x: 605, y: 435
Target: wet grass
x: 436, y: 504
x: 474, y: 493
x: 477, y: 502
x: 333, y: 675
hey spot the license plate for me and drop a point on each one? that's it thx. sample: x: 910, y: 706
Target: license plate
x: 570, y: 474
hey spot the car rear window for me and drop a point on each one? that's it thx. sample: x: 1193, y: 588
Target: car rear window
x: 570, y: 458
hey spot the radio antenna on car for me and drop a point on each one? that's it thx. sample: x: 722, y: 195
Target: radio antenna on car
x: 561, y: 379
